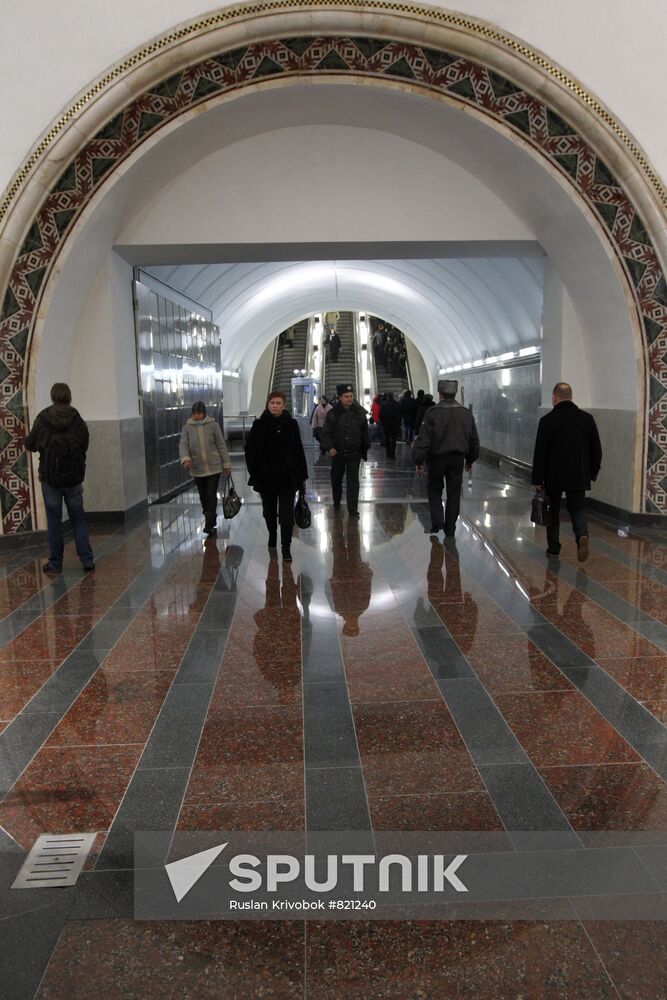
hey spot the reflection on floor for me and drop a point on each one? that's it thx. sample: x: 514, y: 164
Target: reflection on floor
x: 379, y: 682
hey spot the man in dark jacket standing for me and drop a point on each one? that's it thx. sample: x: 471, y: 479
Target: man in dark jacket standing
x: 346, y: 439
x: 390, y: 418
x: 60, y: 435
x: 447, y: 440
x: 567, y: 456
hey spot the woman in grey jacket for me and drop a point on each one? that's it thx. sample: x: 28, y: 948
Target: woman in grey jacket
x: 203, y: 450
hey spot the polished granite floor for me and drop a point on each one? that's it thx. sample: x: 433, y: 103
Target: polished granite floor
x: 380, y: 682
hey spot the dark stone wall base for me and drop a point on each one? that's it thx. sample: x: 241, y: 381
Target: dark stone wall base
x: 110, y: 516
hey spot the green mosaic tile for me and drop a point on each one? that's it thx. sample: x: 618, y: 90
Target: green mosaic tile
x: 168, y: 87
x: 332, y: 60
x: 608, y: 213
x: 520, y: 119
x: 147, y: 122
x: 656, y: 390
x: 437, y: 60
x: 267, y: 67
x: 7, y: 501
x: 298, y: 45
x: 205, y: 87
x: 113, y: 129
x: 653, y: 329
x: 20, y: 467
x: 401, y: 68
x: 101, y: 166
x: 569, y: 162
x: 230, y: 60
x: 654, y: 452
x: 464, y: 88
x: 4, y: 371
x: 67, y: 181
x: 603, y: 175
x: 636, y: 269
x: 15, y: 405
x: 10, y: 305
x: 556, y: 125
x: 638, y: 232
x: 35, y: 279
x: 63, y: 218
x: 660, y: 293
x: 5, y: 438
x: 502, y: 87
x: 33, y: 240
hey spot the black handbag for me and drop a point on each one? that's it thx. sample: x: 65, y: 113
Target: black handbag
x: 231, y: 501
x: 539, y: 511
x: 302, y: 516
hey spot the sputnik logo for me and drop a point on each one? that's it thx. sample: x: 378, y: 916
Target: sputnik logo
x: 185, y: 873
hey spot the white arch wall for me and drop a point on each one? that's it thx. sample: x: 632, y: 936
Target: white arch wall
x: 615, y: 50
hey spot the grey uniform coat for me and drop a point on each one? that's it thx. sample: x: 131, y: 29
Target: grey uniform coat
x: 202, y: 442
x: 446, y: 429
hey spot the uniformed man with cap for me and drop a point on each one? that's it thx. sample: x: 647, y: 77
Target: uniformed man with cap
x: 345, y: 437
x: 447, y: 441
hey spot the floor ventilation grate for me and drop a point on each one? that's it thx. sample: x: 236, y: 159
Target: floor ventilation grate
x: 55, y: 859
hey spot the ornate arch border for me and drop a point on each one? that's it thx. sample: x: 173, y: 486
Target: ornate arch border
x: 429, y: 50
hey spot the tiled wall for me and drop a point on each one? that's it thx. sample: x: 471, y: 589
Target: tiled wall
x: 505, y: 404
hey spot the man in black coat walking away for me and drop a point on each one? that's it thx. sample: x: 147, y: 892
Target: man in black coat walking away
x: 390, y: 418
x: 567, y: 456
x: 346, y: 439
x: 60, y: 435
x: 447, y: 440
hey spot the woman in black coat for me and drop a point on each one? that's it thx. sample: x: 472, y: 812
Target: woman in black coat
x: 277, y: 466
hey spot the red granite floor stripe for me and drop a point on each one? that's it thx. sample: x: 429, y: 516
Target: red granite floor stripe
x: 609, y: 796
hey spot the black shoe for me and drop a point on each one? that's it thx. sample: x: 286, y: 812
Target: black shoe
x: 273, y: 539
x: 553, y: 555
x: 89, y: 568
x: 336, y: 505
x: 287, y: 555
x: 449, y: 534
x: 354, y: 513
x: 211, y: 532
x: 50, y: 568
x: 582, y: 548
x: 434, y: 529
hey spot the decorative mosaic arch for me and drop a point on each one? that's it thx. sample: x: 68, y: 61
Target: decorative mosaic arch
x: 432, y: 70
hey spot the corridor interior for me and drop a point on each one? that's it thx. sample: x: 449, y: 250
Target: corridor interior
x: 381, y: 682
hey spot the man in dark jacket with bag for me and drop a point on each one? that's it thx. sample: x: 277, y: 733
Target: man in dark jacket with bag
x: 567, y: 456
x: 447, y: 440
x: 60, y: 435
x: 346, y: 439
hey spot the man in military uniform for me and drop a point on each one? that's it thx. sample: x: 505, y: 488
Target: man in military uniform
x: 345, y: 437
x: 447, y: 441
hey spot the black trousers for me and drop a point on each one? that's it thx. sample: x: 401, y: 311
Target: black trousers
x: 574, y: 501
x: 390, y: 438
x: 278, y: 508
x: 445, y: 470
x: 348, y: 466
x: 207, y: 487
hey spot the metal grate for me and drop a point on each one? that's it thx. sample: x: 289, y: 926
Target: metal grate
x: 55, y: 859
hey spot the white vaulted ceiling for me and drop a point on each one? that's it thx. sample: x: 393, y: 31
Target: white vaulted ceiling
x: 452, y: 309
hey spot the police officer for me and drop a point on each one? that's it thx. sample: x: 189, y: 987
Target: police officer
x: 447, y: 440
x: 345, y: 437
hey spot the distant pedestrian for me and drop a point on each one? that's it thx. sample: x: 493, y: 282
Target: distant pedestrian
x: 390, y: 418
x: 447, y: 441
x: 405, y: 403
x: 203, y: 451
x: 60, y: 435
x: 567, y: 457
x: 335, y: 345
x: 345, y: 436
x: 318, y: 418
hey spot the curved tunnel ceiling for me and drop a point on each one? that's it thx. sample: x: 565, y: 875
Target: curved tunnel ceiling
x: 452, y: 309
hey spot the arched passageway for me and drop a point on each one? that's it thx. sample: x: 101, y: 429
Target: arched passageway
x: 57, y: 220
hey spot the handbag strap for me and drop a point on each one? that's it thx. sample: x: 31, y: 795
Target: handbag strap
x: 229, y: 485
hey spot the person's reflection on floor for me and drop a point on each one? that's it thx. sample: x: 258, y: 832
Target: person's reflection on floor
x: 391, y: 517
x: 281, y: 671
x: 230, y: 570
x: 210, y: 567
x: 445, y: 590
x: 352, y: 579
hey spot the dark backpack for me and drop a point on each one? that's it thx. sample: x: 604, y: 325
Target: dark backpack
x: 64, y: 459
